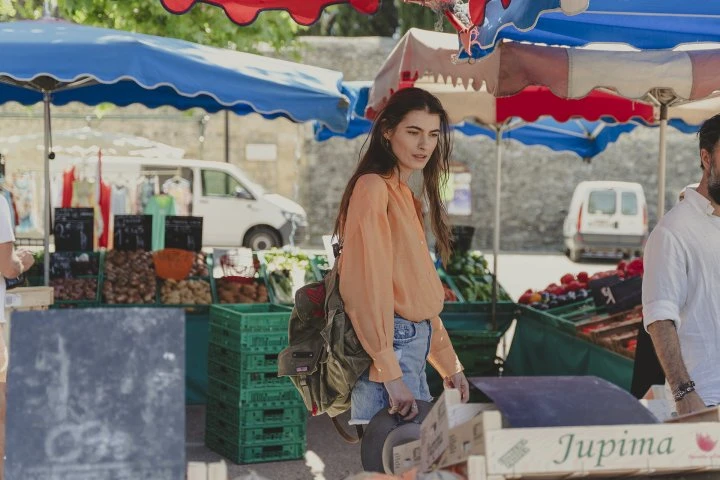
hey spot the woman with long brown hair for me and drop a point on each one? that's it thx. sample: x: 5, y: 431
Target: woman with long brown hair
x: 391, y: 290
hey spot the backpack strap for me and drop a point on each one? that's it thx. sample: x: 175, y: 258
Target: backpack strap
x: 345, y: 435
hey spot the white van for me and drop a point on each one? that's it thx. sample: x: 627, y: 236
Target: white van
x: 236, y: 211
x: 606, y: 217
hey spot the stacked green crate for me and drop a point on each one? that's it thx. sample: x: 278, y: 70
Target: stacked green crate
x: 252, y: 414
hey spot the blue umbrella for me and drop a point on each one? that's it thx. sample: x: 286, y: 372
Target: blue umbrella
x: 645, y: 24
x: 581, y: 137
x: 56, y: 62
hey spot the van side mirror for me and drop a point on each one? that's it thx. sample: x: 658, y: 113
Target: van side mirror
x: 242, y: 194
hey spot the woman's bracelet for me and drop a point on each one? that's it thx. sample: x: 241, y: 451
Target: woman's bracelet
x: 683, y: 389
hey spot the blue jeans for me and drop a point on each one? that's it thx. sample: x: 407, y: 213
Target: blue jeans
x: 411, y: 343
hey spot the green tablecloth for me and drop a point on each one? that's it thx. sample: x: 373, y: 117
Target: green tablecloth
x: 540, y: 349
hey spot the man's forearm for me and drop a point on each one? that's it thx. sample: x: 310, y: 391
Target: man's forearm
x: 667, y: 347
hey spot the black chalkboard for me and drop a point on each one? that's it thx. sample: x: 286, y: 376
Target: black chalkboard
x: 183, y: 232
x: 72, y: 264
x: 132, y: 232
x: 74, y: 229
x: 96, y: 394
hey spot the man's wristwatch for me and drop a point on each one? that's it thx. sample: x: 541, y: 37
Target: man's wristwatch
x: 683, y: 389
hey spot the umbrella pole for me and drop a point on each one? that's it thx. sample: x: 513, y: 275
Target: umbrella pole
x: 496, y: 228
x: 662, y: 160
x: 46, y: 171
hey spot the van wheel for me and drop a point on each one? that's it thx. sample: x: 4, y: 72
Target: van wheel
x: 575, y: 255
x: 262, y: 238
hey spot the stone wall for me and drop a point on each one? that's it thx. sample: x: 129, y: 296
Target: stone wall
x: 537, y: 183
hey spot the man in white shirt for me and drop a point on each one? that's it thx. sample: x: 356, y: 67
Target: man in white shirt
x: 681, y: 305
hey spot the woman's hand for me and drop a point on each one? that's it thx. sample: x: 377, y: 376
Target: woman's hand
x: 402, y: 400
x: 459, y: 381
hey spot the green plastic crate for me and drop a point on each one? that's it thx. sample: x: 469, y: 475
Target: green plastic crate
x: 254, y: 454
x: 256, y: 435
x: 230, y: 396
x: 257, y: 342
x: 249, y: 362
x: 258, y: 416
x: 256, y: 317
x: 244, y: 379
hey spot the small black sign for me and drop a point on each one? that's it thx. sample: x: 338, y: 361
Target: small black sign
x: 183, y: 232
x: 71, y: 265
x: 77, y: 409
x: 618, y: 296
x: 74, y: 229
x: 600, y: 289
x: 132, y: 232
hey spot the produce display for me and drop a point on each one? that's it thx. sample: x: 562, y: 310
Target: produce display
x: 200, y: 267
x: 186, y: 292
x: 287, y: 270
x: 129, y: 278
x: 75, y: 289
x: 469, y: 271
x: 615, y: 332
x: 571, y: 289
x: 230, y: 291
x: 574, y: 288
x: 467, y: 263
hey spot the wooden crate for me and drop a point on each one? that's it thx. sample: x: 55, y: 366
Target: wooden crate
x: 597, y: 451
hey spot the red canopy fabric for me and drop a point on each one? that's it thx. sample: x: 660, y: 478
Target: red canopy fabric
x: 244, y: 12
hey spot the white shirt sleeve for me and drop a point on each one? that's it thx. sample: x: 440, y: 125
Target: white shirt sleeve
x: 664, y: 288
x: 6, y: 227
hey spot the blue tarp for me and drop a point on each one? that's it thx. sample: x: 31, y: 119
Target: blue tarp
x: 125, y: 68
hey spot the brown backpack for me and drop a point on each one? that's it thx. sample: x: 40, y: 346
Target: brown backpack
x: 324, y: 358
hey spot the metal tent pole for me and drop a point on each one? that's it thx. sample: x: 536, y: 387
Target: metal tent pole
x: 46, y: 164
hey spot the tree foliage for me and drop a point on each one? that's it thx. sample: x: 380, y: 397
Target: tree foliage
x: 203, y: 24
x: 393, y: 18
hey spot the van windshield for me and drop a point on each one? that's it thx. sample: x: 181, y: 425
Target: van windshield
x: 602, y: 201
x: 629, y: 204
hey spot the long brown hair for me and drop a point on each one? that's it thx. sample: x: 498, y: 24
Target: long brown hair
x: 379, y: 158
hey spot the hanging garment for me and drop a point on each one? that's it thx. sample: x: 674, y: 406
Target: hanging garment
x: 105, y: 207
x: 159, y: 206
x: 83, y: 195
x: 179, y: 189
x: 145, y: 191
x: 24, y: 192
x: 120, y: 200
x: 67, y: 190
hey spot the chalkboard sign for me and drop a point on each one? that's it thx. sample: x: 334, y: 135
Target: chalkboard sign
x: 74, y: 229
x: 183, y: 232
x: 600, y: 289
x: 132, y: 232
x: 77, y: 409
x: 71, y: 265
x: 617, y: 295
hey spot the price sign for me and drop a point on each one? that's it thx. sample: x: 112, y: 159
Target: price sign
x: 184, y: 232
x: 617, y: 295
x: 132, y: 232
x: 74, y: 229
